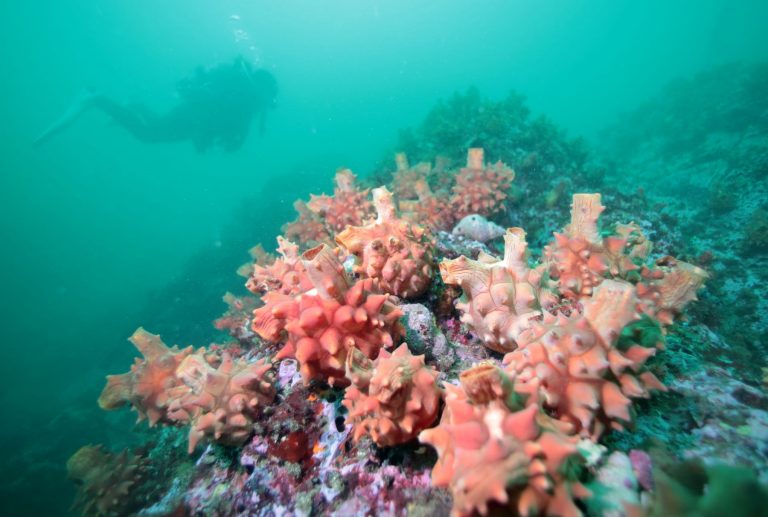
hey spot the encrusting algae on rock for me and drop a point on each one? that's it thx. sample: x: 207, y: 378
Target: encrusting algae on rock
x: 516, y: 435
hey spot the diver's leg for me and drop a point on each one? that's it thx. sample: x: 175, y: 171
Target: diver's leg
x: 139, y: 122
x: 145, y: 125
x: 81, y: 103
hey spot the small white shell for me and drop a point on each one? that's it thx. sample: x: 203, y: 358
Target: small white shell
x: 478, y: 228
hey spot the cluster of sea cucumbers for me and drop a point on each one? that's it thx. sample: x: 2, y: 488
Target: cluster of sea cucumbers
x: 566, y: 352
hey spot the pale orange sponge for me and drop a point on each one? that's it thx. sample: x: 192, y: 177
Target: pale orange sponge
x: 393, y: 398
x: 480, y: 188
x: 501, y: 298
x: 490, y: 453
x: 395, y: 252
x: 221, y: 403
x: 320, y: 327
x: 580, y: 258
x: 571, y: 366
x: 285, y: 274
x: 106, y: 482
x: 148, y: 383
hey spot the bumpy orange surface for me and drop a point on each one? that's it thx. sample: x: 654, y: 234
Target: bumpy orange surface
x: 221, y: 403
x: 392, y: 398
x: 572, y: 367
x: 285, y: 274
x: 480, y: 188
x: 322, y: 326
x: 105, y: 481
x: 308, y: 227
x: 323, y: 216
x: 638, y: 244
x: 490, y: 453
x: 236, y: 320
x: 258, y: 256
x: 665, y: 291
x: 148, y: 383
x: 406, y: 177
x: 580, y: 258
x: 500, y: 298
x: 347, y: 206
x: 427, y: 209
x: 395, y: 252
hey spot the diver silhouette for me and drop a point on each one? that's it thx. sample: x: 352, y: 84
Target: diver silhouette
x: 217, y: 108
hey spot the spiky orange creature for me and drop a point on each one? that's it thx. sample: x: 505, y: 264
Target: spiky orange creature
x: 285, y: 275
x: 494, y: 453
x: 308, y: 227
x: 501, y: 298
x: 667, y: 289
x: 106, y: 482
x: 405, y: 177
x: 572, y: 367
x: 347, y: 206
x: 258, y: 256
x: 322, y: 326
x: 427, y: 210
x: 393, y: 398
x: 580, y: 258
x: 147, y: 385
x: 236, y: 320
x: 221, y: 403
x: 395, y: 252
x: 637, y: 243
x: 480, y: 188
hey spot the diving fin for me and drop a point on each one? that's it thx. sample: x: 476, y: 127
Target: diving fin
x: 81, y: 103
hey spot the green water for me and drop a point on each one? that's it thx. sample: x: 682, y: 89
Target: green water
x: 102, y: 233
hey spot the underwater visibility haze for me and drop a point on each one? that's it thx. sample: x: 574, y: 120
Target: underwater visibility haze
x: 384, y: 258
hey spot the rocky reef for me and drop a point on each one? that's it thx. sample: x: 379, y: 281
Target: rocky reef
x: 701, y: 147
x: 407, y: 350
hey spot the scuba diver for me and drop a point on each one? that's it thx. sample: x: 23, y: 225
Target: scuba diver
x: 216, y: 109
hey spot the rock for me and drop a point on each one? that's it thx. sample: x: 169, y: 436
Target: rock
x: 615, y: 486
x: 425, y: 337
x: 733, y: 424
x: 448, y: 245
x: 642, y: 465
